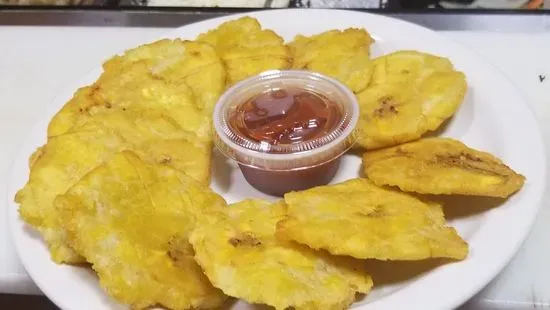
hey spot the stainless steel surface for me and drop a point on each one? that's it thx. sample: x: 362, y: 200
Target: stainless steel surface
x: 509, y: 22
x: 367, y: 4
x: 183, y: 3
x: 151, y: 17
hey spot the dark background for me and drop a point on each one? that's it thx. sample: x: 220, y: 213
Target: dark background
x: 23, y: 302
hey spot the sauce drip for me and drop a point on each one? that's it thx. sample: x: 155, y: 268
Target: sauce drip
x: 286, y: 116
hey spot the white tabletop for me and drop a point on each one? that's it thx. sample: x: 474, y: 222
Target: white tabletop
x: 37, y: 62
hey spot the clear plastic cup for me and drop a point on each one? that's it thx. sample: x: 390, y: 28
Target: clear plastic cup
x: 276, y: 169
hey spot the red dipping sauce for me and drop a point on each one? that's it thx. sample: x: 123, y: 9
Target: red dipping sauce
x: 286, y: 116
x: 286, y: 129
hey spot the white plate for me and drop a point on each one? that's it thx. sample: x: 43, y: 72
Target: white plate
x: 493, y: 117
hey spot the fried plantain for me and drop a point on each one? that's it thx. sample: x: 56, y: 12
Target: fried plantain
x: 411, y: 93
x: 157, y: 138
x: 408, y: 66
x: 246, y: 49
x: 123, y: 215
x: 343, y: 55
x: 35, y: 155
x: 68, y: 116
x: 240, y: 254
x: 175, y: 61
x: 134, y: 89
x: 362, y: 220
x: 68, y: 157
x: 141, y: 102
x: 52, y: 174
x: 441, y: 166
x: 183, y: 78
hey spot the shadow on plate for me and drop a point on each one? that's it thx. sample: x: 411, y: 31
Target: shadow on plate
x: 32, y: 232
x: 457, y: 206
x: 356, y: 151
x: 230, y: 304
x: 440, y: 131
x: 393, y: 272
x: 221, y: 171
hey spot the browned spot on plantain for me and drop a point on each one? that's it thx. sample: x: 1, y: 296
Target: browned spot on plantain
x: 165, y: 159
x: 441, y: 166
x: 376, y: 212
x: 95, y: 88
x: 388, y: 106
x: 92, y: 102
x: 179, y: 248
x: 245, y: 239
x: 473, y: 163
x: 401, y: 152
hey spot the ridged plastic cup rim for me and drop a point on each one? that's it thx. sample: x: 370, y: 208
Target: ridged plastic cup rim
x: 223, y: 132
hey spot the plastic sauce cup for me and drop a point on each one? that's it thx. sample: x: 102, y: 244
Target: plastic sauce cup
x: 276, y: 169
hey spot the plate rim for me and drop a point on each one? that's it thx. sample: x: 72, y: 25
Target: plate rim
x: 13, y: 214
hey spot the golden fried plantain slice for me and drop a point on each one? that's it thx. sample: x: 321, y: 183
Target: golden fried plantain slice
x: 240, y: 254
x: 66, y: 118
x: 183, y: 78
x: 35, y: 155
x: 157, y: 138
x: 360, y: 219
x: 133, y: 88
x: 122, y: 217
x: 343, y: 55
x: 410, y: 94
x: 246, y: 49
x: 408, y: 66
x: 174, y: 61
x: 52, y: 173
x: 66, y: 158
x: 441, y: 166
